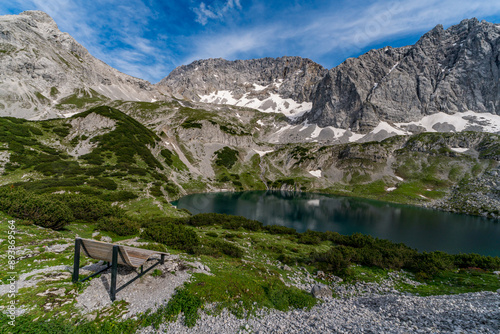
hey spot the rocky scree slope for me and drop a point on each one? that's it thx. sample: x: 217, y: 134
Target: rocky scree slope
x: 44, y: 72
x: 452, y: 70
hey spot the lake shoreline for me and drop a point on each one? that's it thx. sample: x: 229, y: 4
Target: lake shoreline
x: 321, y: 212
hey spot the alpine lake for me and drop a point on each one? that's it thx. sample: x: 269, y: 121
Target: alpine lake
x: 420, y: 228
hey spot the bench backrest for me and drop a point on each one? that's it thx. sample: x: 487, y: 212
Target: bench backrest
x: 129, y: 256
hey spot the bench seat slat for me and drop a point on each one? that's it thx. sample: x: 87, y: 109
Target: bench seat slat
x: 131, y: 256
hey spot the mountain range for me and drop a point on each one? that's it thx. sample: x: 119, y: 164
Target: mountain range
x: 446, y: 72
x: 417, y: 124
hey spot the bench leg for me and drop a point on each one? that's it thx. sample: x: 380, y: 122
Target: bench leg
x: 76, y: 261
x: 114, y: 271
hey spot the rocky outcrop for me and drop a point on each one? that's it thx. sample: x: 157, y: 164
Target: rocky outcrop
x: 452, y: 70
x: 259, y: 83
x: 40, y: 66
x: 294, y: 77
x: 478, y: 196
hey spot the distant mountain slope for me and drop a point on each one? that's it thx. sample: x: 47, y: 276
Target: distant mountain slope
x: 44, y: 72
x: 452, y: 70
x: 283, y: 84
x: 383, y: 92
x: 447, y: 82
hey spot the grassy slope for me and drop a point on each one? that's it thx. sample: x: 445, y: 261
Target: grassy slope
x: 128, y: 161
x: 241, y: 285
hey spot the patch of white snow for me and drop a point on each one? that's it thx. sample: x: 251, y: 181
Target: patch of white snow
x: 315, y: 173
x: 261, y: 153
x: 459, y: 149
x: 392, y: 69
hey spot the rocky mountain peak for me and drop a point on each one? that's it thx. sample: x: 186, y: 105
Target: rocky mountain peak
x: 38, y: 16
x: 45, y: 73
x: 282, y: 84
x: 447, y: 71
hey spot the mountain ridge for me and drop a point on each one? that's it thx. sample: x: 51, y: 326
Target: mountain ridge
x: 446, y: 71
x: 452, y: 70
x: 447, y: 81
x: 41, y: 66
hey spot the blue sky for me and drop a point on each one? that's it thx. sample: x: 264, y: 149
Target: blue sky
x: 149, y: 38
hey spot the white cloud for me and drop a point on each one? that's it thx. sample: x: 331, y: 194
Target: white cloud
x: 324, y: 34
x: 359, y: 27
x: 117, y: 31
x: 215, y: 11
x: 114, y: 35
x: 232, y: 45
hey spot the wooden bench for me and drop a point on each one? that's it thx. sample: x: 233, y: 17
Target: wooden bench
x: 113, y: 255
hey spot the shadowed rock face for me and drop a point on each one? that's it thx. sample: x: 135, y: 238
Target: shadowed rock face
x: 293, y: 77
x: 449, y: 71
x: 40, y: 65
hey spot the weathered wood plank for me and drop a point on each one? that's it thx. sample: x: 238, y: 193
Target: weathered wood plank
x: 131, y: 256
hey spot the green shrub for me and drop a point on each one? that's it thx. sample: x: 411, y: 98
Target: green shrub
x: 89, y: 208
x: 190, y: 124
x: 334, y: 260
x: 35, y: 131
x: 168, y: 155
x: 51, y: 184
x: 103, y: 183
x: 156, y: 273
x: 171, y: 188
x: 217, y: 248
x: 226, y: 157
x: 236, y: 222
x: 42, y: 210
x: 94, y: 171
x: 62, y: 131
x: 118, y: 196
x: 92, y: 158
x: 432, y: 263
x: 284, y: 298
x: 226, y: 221
x: 310, y: 237
x: 374, y: 252
x: 154, y: 247
x: 128, y: 140
x: 290, y: 260
x: 60, y: 167
x: 476, y: 261
x: 156, y: 191
x: 119, y: 225
x: 174, y: 235
x: 278, y: 229
x: 183, y: 301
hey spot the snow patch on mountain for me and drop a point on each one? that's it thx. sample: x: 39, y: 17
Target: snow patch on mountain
x: 464, y: 121
x: 272, y: 103
x: 315, y: 173
x: 459, y: 149
x: 261, y: 153
x: 440, y: 122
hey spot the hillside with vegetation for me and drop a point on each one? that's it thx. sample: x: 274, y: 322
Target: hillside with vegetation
x: 105, y: 175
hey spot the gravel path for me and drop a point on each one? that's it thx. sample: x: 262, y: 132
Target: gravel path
x: 465, y: 313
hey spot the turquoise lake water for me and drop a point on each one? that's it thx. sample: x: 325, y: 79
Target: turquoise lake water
x: 424, y: 229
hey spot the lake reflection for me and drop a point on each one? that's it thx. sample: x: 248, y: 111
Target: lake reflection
x: 424, y: 229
